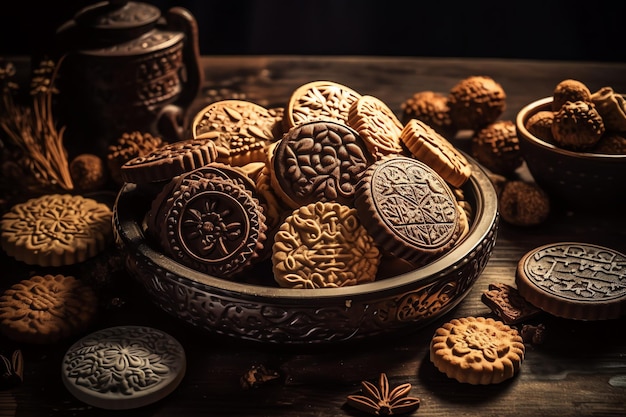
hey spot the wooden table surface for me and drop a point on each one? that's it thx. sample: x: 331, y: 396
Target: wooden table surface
x: 579, y: 369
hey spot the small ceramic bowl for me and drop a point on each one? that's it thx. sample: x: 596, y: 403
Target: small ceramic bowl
x: 572, y: 179
x: 269, y: 314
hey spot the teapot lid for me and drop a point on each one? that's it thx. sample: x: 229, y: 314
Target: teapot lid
x: 123, y: 18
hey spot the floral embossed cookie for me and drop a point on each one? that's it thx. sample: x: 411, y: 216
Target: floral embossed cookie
x: 377, y: 124
x: 323, y: 245
x: 124, y: 367
x: 319, y: 100
x: 46, y: 309
x: 477, y: 350
x: 240, y: 129
x: 56, y: 229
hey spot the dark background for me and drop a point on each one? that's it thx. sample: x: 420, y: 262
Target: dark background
x: 544, y: 30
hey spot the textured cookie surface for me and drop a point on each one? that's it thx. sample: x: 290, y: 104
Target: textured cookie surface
x: 56, y: 229
x: 213, y: 225
x: 319, y: 100
x: 574, y: 280
x: 377, y: 125
x: 241, y: 130
x: 323, y: 245
x: 318, y: 161
x: 430, y: 147
x: 168, y: 161
x: 477, y: 350
x: 506, y: 302
x: 123, y: 367
x: 408, y: 209
x: 46, y: 309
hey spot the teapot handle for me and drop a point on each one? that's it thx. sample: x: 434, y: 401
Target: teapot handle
x: 180, y: 19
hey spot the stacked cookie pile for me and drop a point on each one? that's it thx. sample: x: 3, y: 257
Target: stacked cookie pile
x: 324, y: 188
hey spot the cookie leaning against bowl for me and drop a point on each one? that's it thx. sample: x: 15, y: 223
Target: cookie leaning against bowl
x: 430, y: 147
x: 318, y: 161
x: 168, y: 161
x: 377, y: 124
x: 477, y: 350
x: 323, y: 245
x: 574, y: 280
x: 56, y: 230
x: 240, y: 129
x: 409, y: 210
x: 46, y: 309
x: 319, y: 100
x: 214, y: 226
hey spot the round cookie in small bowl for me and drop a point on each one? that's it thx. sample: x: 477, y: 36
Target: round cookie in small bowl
x: 574, y: 178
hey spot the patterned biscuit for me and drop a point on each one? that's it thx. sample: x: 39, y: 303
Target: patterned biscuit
x: 477, y: 351
x: 213, y: 225
x: 123, y: 367
x: 574, y: 280
x: 241, y: 130
x: 319, y: 100
x: 168, y: 161
x: 430, y: 147
x: 318, y: 161
x: 46, y: 309
x: 377, y: 125
x: 56, y: 230
x: 409, y: 210
x: 323, y: 245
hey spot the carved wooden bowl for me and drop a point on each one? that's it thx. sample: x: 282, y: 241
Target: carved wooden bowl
x: 268, y: 314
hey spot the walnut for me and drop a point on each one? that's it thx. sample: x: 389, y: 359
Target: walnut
x: 88, y: 172
x: 496, y: 146
x: 475, y: 102
x: 577, y: 125
x: 431, y: 108
x: 523, y: 203
x: 569, y: 90
x: 611, y: 143
x: 129, y: 146
x: 540, y: 125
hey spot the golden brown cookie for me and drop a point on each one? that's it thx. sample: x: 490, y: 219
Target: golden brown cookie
x: 323, y: 245
x: 408, y: 209
x: 46, y: 309
x: 430, y: 147
x: 477, y: 350
x: 377, y: 124
x: 240, y: 129
x: 56, y: 229
x: 574, y: 280
x: 319, y: 100
x: 168, y: 161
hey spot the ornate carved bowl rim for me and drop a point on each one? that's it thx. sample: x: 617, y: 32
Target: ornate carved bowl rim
x: 478, y: 190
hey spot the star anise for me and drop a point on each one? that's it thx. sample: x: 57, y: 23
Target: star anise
x: 383, y: 401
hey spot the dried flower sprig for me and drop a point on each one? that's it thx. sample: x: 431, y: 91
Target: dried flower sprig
x: 33, y: 129
x: 381, y: 401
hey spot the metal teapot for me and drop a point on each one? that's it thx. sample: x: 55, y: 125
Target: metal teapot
x: 124, y: 67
